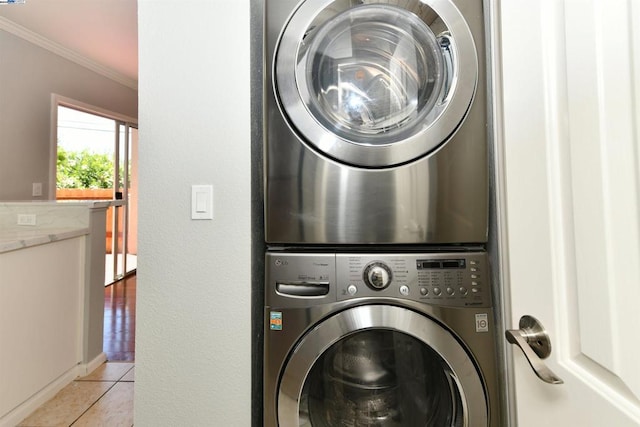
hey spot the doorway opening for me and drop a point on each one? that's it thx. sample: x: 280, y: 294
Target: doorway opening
x: 97, y: 159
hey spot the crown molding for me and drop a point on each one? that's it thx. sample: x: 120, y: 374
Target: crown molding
x: 57, y: 49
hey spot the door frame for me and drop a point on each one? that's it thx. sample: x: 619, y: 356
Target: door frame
x: 122, y: 123
x: 57, y: 100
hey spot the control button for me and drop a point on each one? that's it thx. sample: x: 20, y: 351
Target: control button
x: 463, y: 290
x: 404, y: 290
x: 377, y: 275
x: 475, y: 276
x: 474, y: 269
x: 475, y: 290
x: 450, y: 291
x: 437, y: 291
x: 475, y: 283
x: 424, y: 292
x: 352, y: 290
x: 472, y: 262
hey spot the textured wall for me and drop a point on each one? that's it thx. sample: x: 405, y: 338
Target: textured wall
x: 193, y: 337
x: 29, y: 75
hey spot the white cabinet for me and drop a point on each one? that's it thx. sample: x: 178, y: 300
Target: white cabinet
x: 41, y: 310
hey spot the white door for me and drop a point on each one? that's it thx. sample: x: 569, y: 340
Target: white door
x: 569, y: 148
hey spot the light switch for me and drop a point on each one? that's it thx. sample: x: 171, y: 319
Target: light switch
x: 36, y: 189
x: 201, y: 202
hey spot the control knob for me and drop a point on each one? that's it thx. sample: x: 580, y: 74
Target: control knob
x: 377, y: 275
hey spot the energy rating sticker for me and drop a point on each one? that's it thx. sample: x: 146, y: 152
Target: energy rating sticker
x: 275, y: 321
x: 482, y: 322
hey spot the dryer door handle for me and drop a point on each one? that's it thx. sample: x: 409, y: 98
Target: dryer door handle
x: 534, y: 342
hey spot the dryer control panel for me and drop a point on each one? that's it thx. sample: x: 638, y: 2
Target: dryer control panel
x: 454, y: 279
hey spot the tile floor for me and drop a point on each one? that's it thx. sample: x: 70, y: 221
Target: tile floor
x: 103, y: 398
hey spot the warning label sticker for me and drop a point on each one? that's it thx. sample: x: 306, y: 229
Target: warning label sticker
x: 275, y: 321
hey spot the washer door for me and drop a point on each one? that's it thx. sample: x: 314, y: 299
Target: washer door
x: 380, y: 365
x: 375, y: 84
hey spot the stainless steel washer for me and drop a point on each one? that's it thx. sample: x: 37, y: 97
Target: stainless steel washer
x: 384, y: 339
x: 375, y: 122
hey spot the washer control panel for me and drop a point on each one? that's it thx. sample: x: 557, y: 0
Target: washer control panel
x: 455, y: 279
x: 451, y: 279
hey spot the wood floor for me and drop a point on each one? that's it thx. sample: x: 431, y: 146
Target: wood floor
x: 120, y: 320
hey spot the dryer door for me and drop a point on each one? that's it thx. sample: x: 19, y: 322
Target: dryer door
x: 375, y: 84
x: 380, y: 365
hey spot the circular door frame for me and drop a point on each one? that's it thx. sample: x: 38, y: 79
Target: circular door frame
x: 331, y: 330
x: 450, y: 114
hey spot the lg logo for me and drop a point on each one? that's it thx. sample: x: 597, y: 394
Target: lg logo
x: 278, y: 262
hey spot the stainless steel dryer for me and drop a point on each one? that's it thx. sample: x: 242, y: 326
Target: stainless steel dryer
x: 386, y: 339
x: 375, y: 122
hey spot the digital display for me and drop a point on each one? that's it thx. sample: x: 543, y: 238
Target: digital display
x: 428, y: 264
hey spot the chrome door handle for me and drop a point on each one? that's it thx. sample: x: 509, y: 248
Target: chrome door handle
x: 534, y: 342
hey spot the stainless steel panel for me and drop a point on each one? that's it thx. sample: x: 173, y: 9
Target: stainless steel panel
x: 312, y: 199
x: 467, y: 286
x: 439, y: 199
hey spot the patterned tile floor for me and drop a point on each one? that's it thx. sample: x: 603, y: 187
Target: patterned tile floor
x: 102, y: 398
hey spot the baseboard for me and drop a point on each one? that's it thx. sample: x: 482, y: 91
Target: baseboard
x: 25, y: 409
x: 86, y: 368
x: 22, y: 411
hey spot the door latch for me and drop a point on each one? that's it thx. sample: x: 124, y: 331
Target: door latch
x: 534, y: 342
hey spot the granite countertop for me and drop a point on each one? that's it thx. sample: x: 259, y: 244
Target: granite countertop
x: 92, y: 203
x: 56, y: 220
x: 88, y: 203
x: 11, y: 240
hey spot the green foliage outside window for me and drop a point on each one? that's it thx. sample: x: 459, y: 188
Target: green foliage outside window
x: 84, y: 169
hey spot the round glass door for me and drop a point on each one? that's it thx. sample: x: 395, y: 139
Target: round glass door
x: 371, y: 73
x: 375, y: 84
x: 380, y: 378
x: 380, y: 365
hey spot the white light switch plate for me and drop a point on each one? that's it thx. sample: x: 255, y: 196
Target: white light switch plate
x: 36, y: 189
x: 202, y: 202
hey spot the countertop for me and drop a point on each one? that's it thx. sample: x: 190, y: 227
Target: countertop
x: 56, y: 220
x: 11, y: 240
x: 46, y: 203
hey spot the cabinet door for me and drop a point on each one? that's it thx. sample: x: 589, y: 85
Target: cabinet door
x: 569, y: 184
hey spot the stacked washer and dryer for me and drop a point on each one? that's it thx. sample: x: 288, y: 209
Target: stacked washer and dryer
x: 378, y: 307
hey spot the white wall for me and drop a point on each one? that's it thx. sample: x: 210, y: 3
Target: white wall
x: 193, y: 336
x: 28, y: 76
